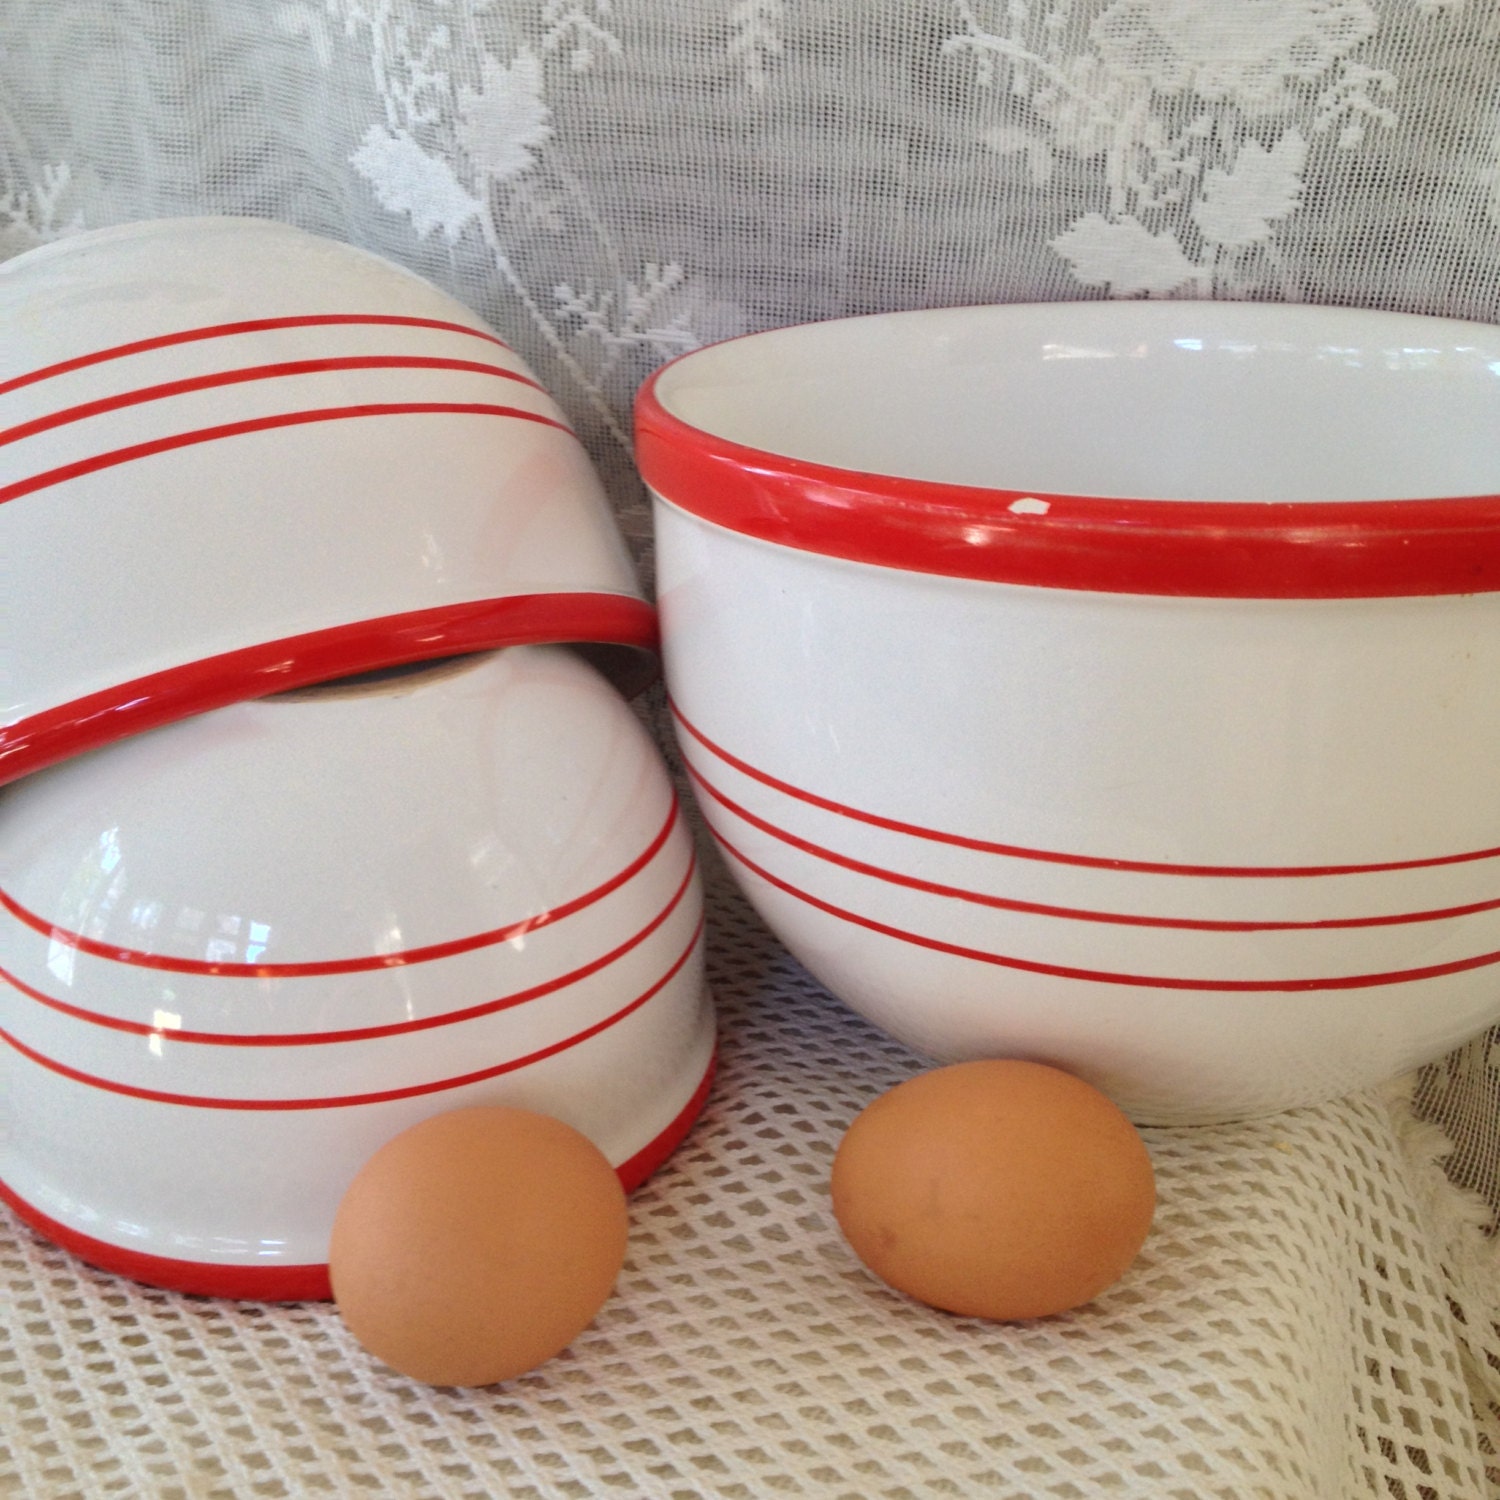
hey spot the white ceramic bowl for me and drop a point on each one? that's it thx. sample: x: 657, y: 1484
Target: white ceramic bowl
x: 242, y: 951
x: 237, y: 458
x: 1111, y: 684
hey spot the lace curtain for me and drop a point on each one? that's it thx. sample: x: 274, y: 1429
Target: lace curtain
x: 613, y: 181
x: 609, y: 183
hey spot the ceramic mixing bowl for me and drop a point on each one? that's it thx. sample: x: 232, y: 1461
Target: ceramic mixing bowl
x: 236, y: 458
x: 1110, y: 684
x: 241, y: 952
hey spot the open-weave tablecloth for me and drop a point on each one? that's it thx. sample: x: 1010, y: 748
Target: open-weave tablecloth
x: 609, y: 182
x: 1293, y: 1329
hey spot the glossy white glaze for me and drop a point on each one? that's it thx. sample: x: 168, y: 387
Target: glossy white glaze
x: 1219, y: 855
x: 1155, y: 400
x: 220, y: 433
x: 227, y: 939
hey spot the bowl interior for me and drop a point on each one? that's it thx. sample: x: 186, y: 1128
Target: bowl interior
x: 1160, y: 400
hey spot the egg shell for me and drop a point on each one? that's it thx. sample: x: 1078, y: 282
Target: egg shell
x: 999, y: 1189
x: 477, y: 1244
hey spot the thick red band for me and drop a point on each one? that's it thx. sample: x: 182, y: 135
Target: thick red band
x: 300, y: 1283
x: 1185, y: 548
x: 320, y: 656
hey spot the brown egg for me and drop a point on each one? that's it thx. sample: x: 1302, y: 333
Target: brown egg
x: 999, y: 1189
x: 477, y: 1244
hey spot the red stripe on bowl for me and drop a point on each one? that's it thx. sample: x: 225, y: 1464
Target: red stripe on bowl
x: 634, y: 1170
x: 234, y: 330
x: 358, y: 1033
x: 1246, y: 549
x: 320, y: 656
x: 260, y: 1283
x: 295, y: 1283
x: 285, y: 369
x: 1072, y: 913
x: 135, y: 451
x: 346, y: 1101
x: 1105, y: 976
x: 1052, y: 856
x: 363, y: 962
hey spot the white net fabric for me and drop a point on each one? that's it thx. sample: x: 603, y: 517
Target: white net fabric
x: 1287, y: 1333
x: 1316, y: 1311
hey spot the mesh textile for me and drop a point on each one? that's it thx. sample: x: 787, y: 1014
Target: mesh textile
x: 1287, y: 1333
x: 609, y: 182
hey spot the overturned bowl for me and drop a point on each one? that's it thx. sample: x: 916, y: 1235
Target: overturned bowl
x: 1110, y: 684
x: 240, y: 953
x: 237, y: 458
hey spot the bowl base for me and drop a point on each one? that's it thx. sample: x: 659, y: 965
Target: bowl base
x: 294, y: 1283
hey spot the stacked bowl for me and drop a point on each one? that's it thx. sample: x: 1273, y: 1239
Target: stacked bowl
x: 326, y: 808
x: 238, y: 458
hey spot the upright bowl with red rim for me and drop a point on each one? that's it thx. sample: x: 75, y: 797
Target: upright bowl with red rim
x: 1111, y: 684
x: 237, y: 458
x: 241, y: 952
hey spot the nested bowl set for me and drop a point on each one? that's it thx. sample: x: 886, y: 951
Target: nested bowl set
x: 318, y: 821
x: 1107, y: 684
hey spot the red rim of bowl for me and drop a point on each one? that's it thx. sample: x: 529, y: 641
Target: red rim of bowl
x: 1184, y: 548
x: 298, y: 1283
x: 159, y: 698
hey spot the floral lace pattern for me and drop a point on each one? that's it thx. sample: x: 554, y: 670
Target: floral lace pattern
x: 1201, y: 118
x: 451, y: 157
x: 34, y: 208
